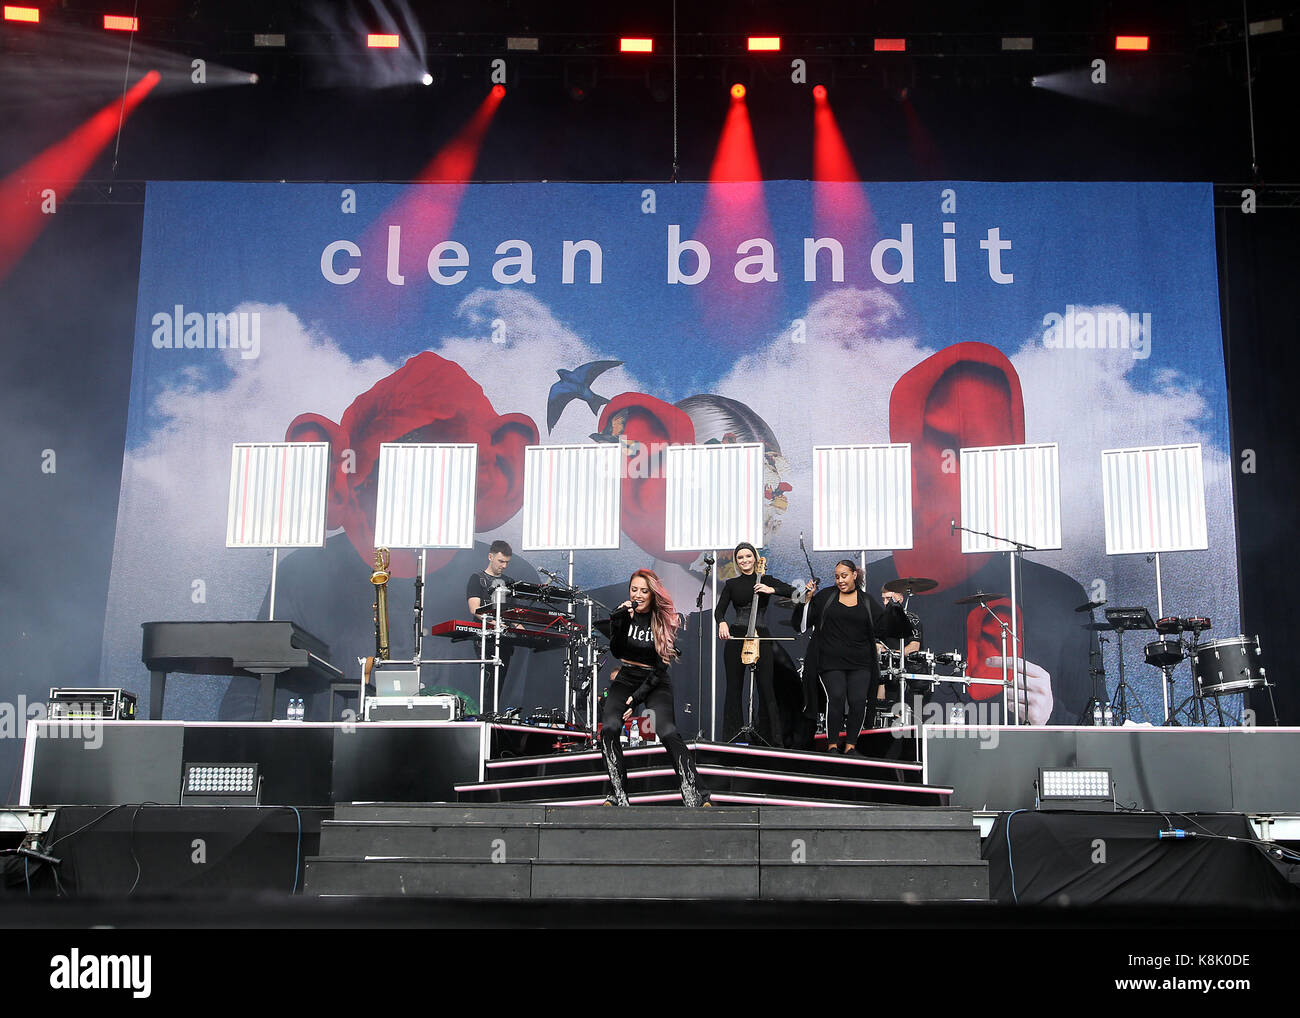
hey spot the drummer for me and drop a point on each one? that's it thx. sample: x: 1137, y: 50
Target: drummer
x: 888, y: 595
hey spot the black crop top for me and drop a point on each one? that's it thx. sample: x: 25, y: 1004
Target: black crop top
x: 631, y: 638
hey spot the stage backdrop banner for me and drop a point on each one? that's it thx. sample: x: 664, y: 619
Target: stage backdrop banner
x: 943, y: 315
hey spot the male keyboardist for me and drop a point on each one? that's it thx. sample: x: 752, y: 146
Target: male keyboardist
x: 478, y: 593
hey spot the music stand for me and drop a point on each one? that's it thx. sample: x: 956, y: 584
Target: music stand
x: 862, y: 501
x: 713, y: 499
x: 277, y: 498
x: 425, y: 499
x: 1153, y: 499
x: 1017, y: 489
x: 571, y: 503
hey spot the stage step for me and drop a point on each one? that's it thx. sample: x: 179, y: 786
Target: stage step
x: 726, y: 770
x: 722, y: 754
x: 763, y: 852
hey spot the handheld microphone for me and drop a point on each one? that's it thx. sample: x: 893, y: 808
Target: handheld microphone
x: 952, y: 527
x: 1176, y: 832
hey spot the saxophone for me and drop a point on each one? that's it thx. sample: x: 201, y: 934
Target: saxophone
x: 380, y: 579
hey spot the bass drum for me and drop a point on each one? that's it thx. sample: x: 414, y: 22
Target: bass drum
x: 1229, y: 666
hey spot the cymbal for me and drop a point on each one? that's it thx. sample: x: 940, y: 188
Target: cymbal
x: 916, y: 584
x: 980, y: 598
x: 1089, y: 606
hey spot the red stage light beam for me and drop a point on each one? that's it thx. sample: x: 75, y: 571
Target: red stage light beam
x: 735, y: 313
x: 60, y: 166
x: 425, y: 216
x: 841, y: 209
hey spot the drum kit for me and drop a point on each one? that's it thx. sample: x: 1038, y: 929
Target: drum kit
x: 1219, y: 667
x: 926, y: 666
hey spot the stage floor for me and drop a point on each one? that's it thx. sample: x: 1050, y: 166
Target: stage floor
x: 1245, y: 770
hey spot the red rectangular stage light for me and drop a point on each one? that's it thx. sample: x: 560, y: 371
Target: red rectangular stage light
x: 1133, y: 42
x: 636, y: 45
x: 891, y: 46
x: 121, y: 23
x: 764, y: 43
x: 32, y: 14
x: 375, y: 41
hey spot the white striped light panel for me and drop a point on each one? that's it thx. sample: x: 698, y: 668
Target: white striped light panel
x: 862, y: 497
x: 426, y: 495
x: 1011, y: 491
x: 1154, y: 499
x: 277, y: 494
x: 714, y: 497
x: 571, y: 496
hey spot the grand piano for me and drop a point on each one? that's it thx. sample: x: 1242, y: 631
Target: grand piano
x: 263, y: 650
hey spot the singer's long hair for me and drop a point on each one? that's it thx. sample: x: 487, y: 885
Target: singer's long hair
x: 664, y: 620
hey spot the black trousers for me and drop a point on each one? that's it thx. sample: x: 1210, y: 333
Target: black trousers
x: 659, y: 705
x: 769, y: 712
x: 857, y: 686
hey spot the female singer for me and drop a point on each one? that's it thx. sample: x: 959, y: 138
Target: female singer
x: 848, y: 622
x: 740, y: 591
x: 642, y: 630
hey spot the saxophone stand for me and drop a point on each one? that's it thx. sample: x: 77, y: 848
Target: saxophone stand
x: 419, y: 612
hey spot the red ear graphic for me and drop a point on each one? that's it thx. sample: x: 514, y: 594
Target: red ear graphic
x: 965, y: 395
x: 501, y: 470
x: 648, y: 426
x: 315, y: 428
x: 984, y: 640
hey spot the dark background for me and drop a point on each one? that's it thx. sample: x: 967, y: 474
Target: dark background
x: 955, y: 106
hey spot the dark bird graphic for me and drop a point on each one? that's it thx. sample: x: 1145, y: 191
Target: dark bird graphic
x: 576, y: 384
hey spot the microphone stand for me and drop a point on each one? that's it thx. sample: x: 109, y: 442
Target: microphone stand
x: 803, y: 627
x: 590, y: 655
x: 1020, y: 680
x: 699, y: 643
